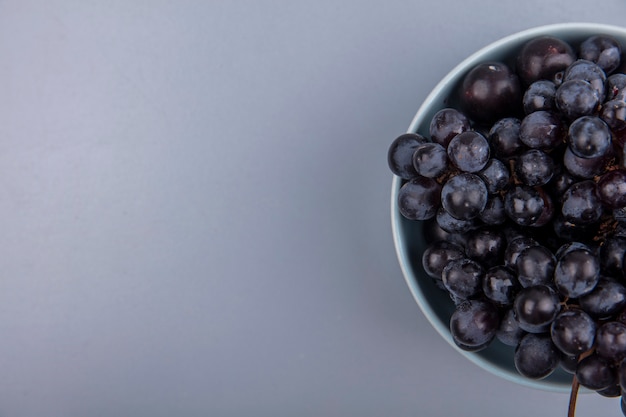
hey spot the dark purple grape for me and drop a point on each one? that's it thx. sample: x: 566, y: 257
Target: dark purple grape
x: 603, y: 50
x: 612, y: 255
x: 514, y: 248
x: 433, y: 233
x: 539, y: 96
x: 504, y: 137
x: 500, y: 285
x: 612, y: 391
x: 493, y: 213
x: 400, y: 154
x: 543, y: 57
x: 613, y: 113
x: 561, y: 181
x: 464, y: 196
x: 611, y: 189
x: 462, y: 278
x: 577, y: 273
x: 419, y: 198
x: 576, y: 98
x: 438, y: 255
x: 509, y: 331
x: 536, y: 357
x: 534, y: 167
x: 474, y: 324
x: 496, y: 175
x: 607, y: 299
x: 486, y: 246
x: 621, y: 373
x: 469, y: 151
x: 569, y: 363
x: 430, y: 160
x: 587, y: 71
x: 570, y: 231
x: 542, y: 130
x: 490, y: 91
x: 586, y: 168
x: 446, y: 124
x: 535, y: 266
x: 453, y: 225
x: 573, y: 331
x: 580, y: 203
x: 589, y: 137
x: 595, y: 373
x: 570, y: 246
x: 536, y: 307
x: 616, y: 87
x: 524, y: 205
x: 611, y: 341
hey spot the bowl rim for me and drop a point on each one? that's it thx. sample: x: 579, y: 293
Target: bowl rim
x: 451, y: 77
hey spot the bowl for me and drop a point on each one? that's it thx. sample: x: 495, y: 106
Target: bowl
x: 435, y: 304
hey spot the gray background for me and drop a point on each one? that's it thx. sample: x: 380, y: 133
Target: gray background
x: 195, y: 208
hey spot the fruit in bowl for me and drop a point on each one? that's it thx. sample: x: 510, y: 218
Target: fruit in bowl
x: 509, y: 207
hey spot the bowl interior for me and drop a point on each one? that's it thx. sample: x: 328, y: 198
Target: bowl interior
x: 408, y: 238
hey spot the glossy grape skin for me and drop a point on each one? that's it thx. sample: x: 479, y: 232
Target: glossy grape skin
x: 524, y: 205
x: 576, y: 98
x: 539, y: 96
x: 474, y: 324
x: 542, y: 130
x: 536, y: 307
x: 570, y: 231
x: 400, y: 154
x: 485, y: 245
x: 573, y: 331
x: 607, y: 299
x: 464, y: 196
x: 611, y: 341
x: 616, y: 87
x: 514, y: 248
x: 438, y: 254
x: 613, y: 113
x: 568, y: 363
x: 586, y: 168
x: 493, y: 213
x: 588, y: 71
x: 509, y: 332
x: 611, y: 189
x: 603, y: 50
x: 419, y: 198
x: 560, y: 182
x: 543, y: 57
x: 612, y: 391
x: 463, y: 277
x: 580, y: 203
x: 612, y: 255
x: 451, y: 224
x: 534, y: 167
x: 535, y: 266
x: 536, y: 357
x: 469, y: 151
x: 570, y: 246
x: 430, y: 160
x: 490, y: 91
x: 595, y: 373
x: 446, y: 124
x: 577, y: 273
x: 496, y: 175
x: 504, y: 137
x: 589, y: 137
x: 500, y: 285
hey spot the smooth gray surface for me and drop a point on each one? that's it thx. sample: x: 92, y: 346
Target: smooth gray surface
x: 195, y: 212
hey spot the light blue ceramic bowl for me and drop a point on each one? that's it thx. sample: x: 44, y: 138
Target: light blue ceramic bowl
x: 434, y: 303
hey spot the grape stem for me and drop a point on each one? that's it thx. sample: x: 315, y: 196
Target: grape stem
x: 571, y: 410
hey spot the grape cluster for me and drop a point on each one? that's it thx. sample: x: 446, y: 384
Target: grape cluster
x: 522, y: 188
